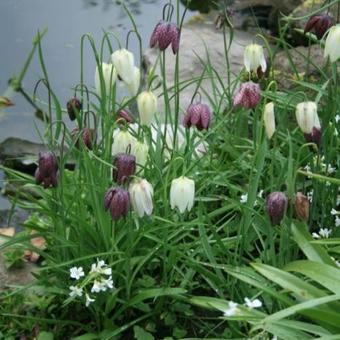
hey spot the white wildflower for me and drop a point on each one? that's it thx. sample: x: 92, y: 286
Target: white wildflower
x: 232, y: 310
x: 99, y: 286
x: 75, y: 291
x: 108, y: 282
x: 338, y: 200
x: 330, y: 169
x: 244, y: 198
x: 101, y: 268
x: 315, y: 235
x: 253, y: 303
x: 260, y: 194
x: 76, y: 272
x: 334, y: 212
x: 337, y: 118
x: 310, y: 195
x: 88, y: 300
x: 337, y: 221
x: 324, y: 232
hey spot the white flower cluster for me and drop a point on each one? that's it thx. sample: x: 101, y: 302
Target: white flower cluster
x: 244, y: 197
x: 232, y: 307
x: 100, y: 277
x: 323, y: 233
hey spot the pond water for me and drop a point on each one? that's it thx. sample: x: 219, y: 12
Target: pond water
x: 67, y: 21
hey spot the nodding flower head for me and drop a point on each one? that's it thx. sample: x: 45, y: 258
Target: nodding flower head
x: 276, y: 206
x: 47, y: 171
x: 248, y: 95
x: 164, y: 34
x: 124, y: 115
x: 125, y: 166
x: 74, y: 106
x: 117, y: 201
x: 198, y: 115
x: 319, y: 24
x: 88, y: 137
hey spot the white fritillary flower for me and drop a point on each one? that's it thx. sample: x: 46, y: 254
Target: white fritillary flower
x: 76, y: 272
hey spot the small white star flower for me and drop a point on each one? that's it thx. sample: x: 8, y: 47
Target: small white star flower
x: 98, y: 286
x: 108, y: 282
x: 331, y: 169
x: 337, y: 221
x: 244, y: 198
x: 334, y: 212
x: 232, y: 310
x: 315, y: 235
x: 310, y: 195
x: 75, y: 291
x: 76, y: 272
x: 260, y: 194
x: 101, y: 268
x: 324, y: 232
x: 253, y: 303
x: 337, y: 118
x: 88, y: 300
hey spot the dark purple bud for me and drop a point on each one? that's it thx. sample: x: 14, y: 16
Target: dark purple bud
x: 198, y: 115
x: 47, y: 170
x: 164, y: 34
x: 319, y: 24
x: 248, y: 95
x: 314, y: 136
x: 125, y: 166
x: 74, y: 105
x: 276, y: 206
x: 124, y: 115
x: 88, y: 136
x: 117, y: 201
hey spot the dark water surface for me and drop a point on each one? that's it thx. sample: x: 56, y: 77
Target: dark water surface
x: 67, y: 21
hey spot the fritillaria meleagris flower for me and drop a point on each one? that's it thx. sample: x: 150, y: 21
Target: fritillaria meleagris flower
x: 141, y: 193
x: 47, y: 171
x: 88, y: 136
x: 332, y: 49
x: 276, y: 206
x: 248, y: 95
x: 198, y: 115
x: 124, y: 63
x: 74, y: 106
x: 147, y: 104
x: 269, y: 119
x: 319, y: 24
x: 301, y: 207
x: 109, y: 78
x: 182, y: 194
x: 125, y: 115
x: 117, y: 201
x: 124, y: 167
x: 164, y: 34
x: 5, y: 102
x: 254, y: 58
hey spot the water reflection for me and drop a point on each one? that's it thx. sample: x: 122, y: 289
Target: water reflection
x: 133, y: 5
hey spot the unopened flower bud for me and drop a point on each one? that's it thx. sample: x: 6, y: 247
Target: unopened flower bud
x: 332, y: 44
x: 254, y: 58
x: 141, y: 193
x: 276, y: 206
x: 141, y: 151
x: 47, y: 170
x: 164, y: 34
x: 124, y: 61
x: 182, y: 194
x: 117, y: 201
x: 319, y: 24
x: 109, y: 78
x: 5, y: 102
x: 125, y: 115
x: 198, y: 115
x: 301, y: 207
x: 125, y: 166
x: 248, y: 95
x: 88, y: 137
x: 147, y: 107
x: 74, y: 106
x: 269, y: 119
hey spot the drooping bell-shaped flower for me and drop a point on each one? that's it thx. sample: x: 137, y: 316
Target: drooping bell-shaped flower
x: 164, y: 34
x: 117, y: 201
x: 254, y: 58
x: 123, y: 141
x: 198, y: 115
x: 301, y: 207
x: 124, y: 62
x: 319, y: 24
x: 87, y: 135
x: 133, y: 86
x: 248, y: 95
x: 276, y: 206
x: 147, y: 107
x: 109, y: 78
x: 269, y: 119
x: 182, y: 194
x: 124, y: 115
x: 74, y: 106
x: 124, y: 167
x: 332, y: 49
x: 308, y: 121
x: 141, y: 151
x: 47, y: 170
x: 141, y: 193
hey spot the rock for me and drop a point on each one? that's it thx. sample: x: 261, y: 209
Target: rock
x: 198, y: 38
x: 14, y: 218
x: 284, y: 72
